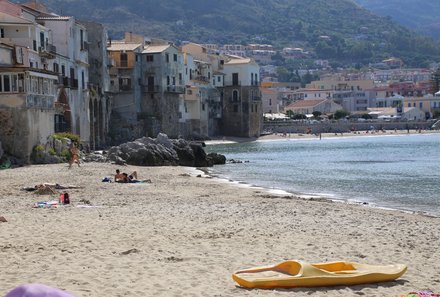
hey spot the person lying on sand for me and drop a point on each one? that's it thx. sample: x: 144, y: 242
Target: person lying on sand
x: 51, y: 186
x: 125, y: 178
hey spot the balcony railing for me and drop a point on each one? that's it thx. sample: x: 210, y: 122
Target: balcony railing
x: 151, y: 89
x: 68, y: 82
x: 49, y: 51
x: 175, y: 89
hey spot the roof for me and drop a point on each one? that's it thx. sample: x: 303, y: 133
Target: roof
x: 306, y: 103
x: 122, y: 46
x: 239, y: 61
x: 154, y: 49
x: 54, y: 18
x: 269, y: 91
x: 8, y: 18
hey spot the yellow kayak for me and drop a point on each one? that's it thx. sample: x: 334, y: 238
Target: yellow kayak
x: 290, y: 274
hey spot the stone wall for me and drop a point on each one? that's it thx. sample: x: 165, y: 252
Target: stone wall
x: 22, y: 129
x: 242, y: 117
x: 339, y: 127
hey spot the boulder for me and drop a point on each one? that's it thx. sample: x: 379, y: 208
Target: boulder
x: 217, y: 159
x: 161, y: 151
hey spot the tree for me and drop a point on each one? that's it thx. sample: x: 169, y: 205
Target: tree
x: 341, y: 113
x: 316, y: 114
x: 436, y: 81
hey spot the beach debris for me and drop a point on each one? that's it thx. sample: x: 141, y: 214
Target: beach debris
x: 173, y: 259
x: 131, y: 251
x: 3, y: 220
x: 85, y: 201
x: 185, y: 175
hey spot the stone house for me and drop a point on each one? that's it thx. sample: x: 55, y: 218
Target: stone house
x: 161, y: 79
x: 29, y: 84
x: 125, y: 91
x: 242, y: 114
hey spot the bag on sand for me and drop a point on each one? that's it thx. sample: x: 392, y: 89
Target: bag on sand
x: 64, y: 198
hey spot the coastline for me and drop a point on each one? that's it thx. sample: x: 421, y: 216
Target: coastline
x: 184, y: 235
x: 300, y: 136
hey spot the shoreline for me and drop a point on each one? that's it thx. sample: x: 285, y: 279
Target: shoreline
x: 313, y: 197
x: 300, y: 136
x: 184, y: 235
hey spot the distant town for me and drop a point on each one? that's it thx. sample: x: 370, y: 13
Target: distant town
x: 60, y: 74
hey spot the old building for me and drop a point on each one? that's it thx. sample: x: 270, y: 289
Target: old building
x: 242, y: 113
x: 99, y: 84
x: 28, y: 82
x: 125, y: 91
x: 202, y: 99
x: 162, y: 84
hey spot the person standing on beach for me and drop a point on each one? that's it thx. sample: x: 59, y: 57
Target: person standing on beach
x: 74, y: 155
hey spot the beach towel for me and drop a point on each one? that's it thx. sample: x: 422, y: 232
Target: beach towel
x: 37, y: 290
x: 45, y: 204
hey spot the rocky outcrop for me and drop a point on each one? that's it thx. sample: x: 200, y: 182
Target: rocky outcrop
x: 162, y: 151
x: 217, y: 159
x: 1, y: 150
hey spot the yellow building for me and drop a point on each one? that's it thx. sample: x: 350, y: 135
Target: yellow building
x: 428, y: 103
x: 341, y: 85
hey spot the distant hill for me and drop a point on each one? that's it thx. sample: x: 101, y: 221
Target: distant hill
x: 422, y: 16
x: 338, y: 30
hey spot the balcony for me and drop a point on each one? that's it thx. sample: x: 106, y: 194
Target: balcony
x: 151, y: 89
x: 201, y: 78
x: 125, y: 88
x: 175, y: 89
x: 49, y: 51
x: 68, y: 82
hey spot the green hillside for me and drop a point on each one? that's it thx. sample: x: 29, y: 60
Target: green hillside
x: 419, y: 15
x: 356, y: 35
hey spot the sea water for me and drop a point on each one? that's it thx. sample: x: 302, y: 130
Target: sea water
x: 399, y: 172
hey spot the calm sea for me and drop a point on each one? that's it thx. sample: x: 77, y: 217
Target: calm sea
x: 400, y: 172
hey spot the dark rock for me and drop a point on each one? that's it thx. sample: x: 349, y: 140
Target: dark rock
x: 217, y: 159
x: 161, y: 151
x: 1, y: 150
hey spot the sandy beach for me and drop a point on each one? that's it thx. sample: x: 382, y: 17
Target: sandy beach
x: 184, y: 235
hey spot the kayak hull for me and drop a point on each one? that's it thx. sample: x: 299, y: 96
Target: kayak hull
x: 292, y: 274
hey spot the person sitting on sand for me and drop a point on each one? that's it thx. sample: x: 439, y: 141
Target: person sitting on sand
x: 74, y: 155
x: 124, y: 177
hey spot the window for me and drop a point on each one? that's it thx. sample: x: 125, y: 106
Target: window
x: 174, y: 80
x: 270, y: 102
x: 34, y: 45
x: 175, y: 57
x: 168, y: 80
x: 256, y: 79
x: 409, y: 104
x: 167, y: 57
x: 219, y: 78
x: 235, y: 79
x: 83, y: 83
x: 150, y: 58
x: 56, y: 68
x: 235, y: 96
x: 420, y: 105
x: 203, y: 106
x: 252, y: 79
x: 6, y: 83
x: 63, y: 70
x: 2, y: 33
x: 81, y: 39
x: 42, y: 40
x: 124, y: 60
